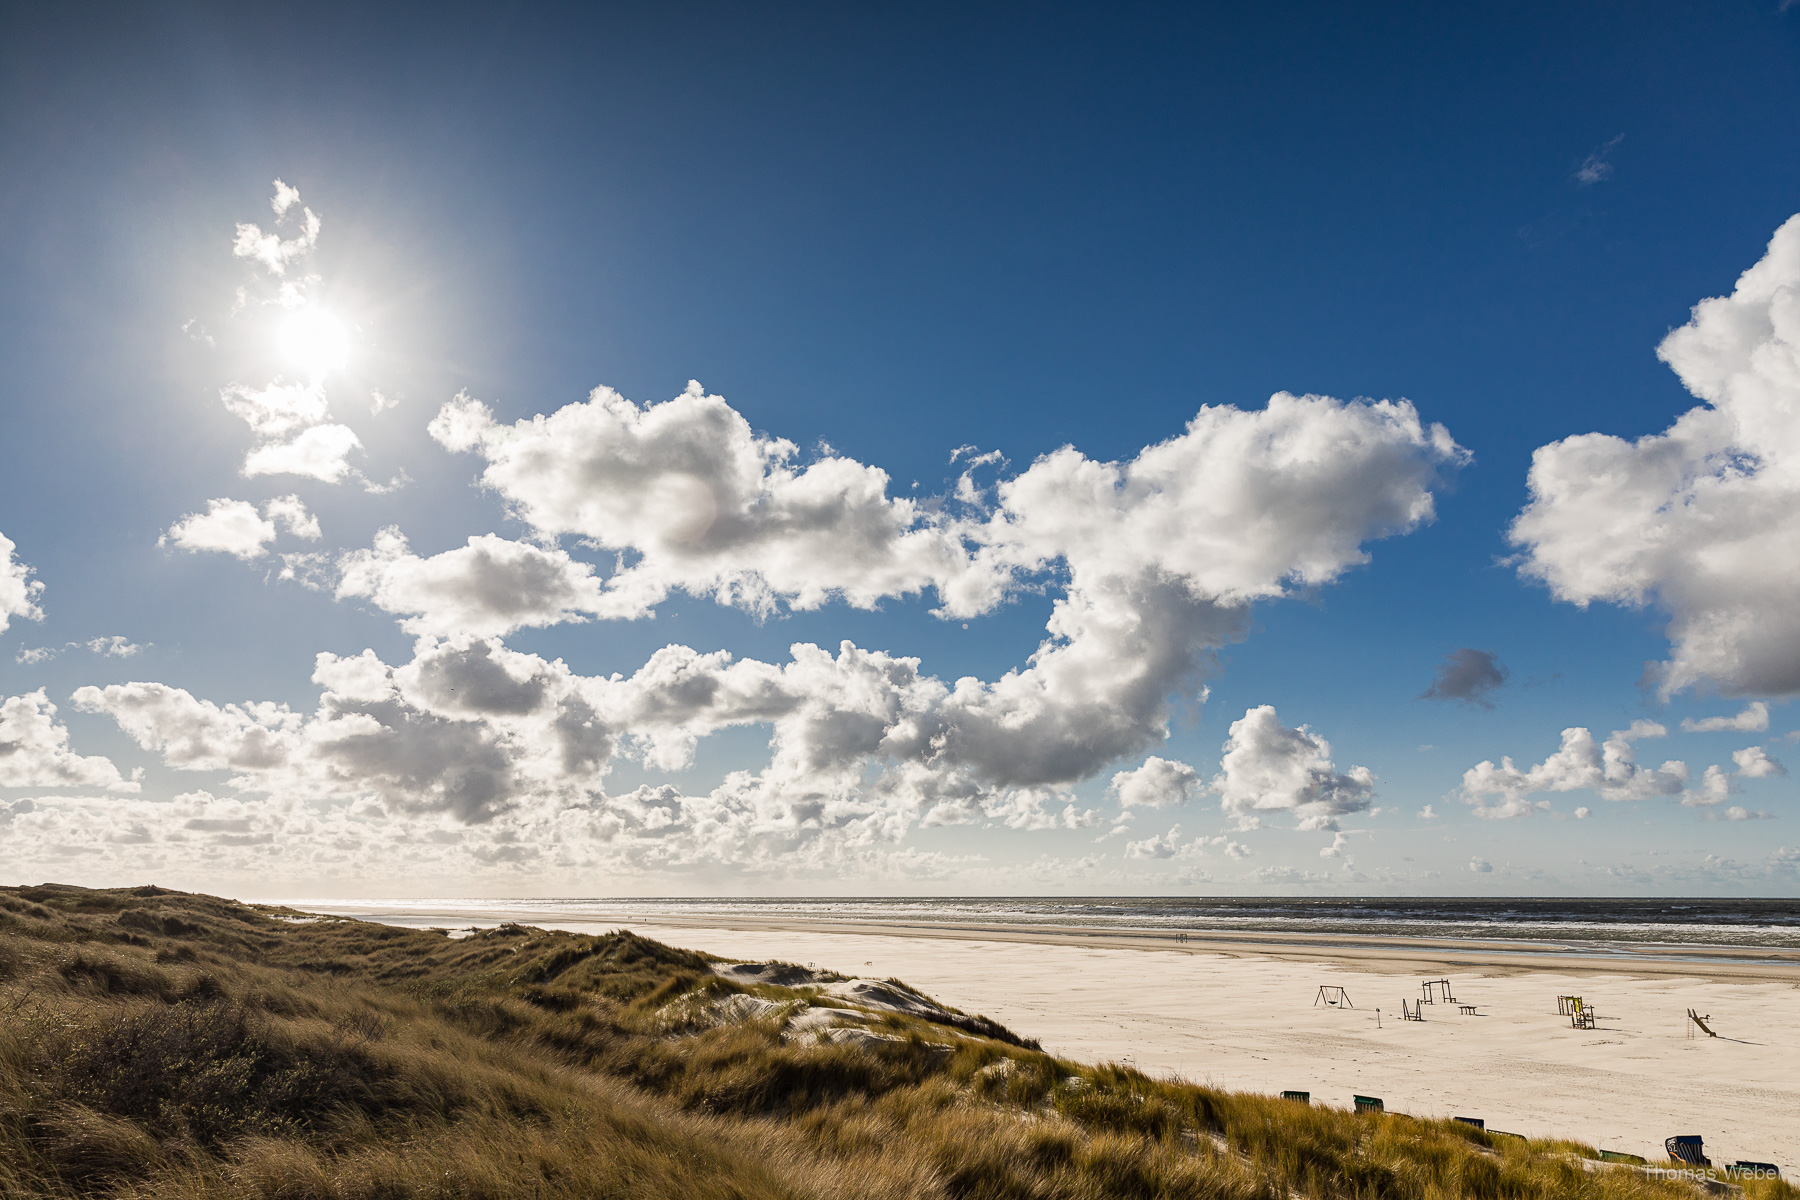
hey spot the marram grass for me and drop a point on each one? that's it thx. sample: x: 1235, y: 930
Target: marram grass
x: 156, y: 1044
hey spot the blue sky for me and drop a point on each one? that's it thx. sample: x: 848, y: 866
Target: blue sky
x: 884, y: 236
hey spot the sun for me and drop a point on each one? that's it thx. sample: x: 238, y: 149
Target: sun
x: 314, y: 342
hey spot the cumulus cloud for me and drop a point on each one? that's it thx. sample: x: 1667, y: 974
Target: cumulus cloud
x: 1718, y: 784
x: 18, y: 590
x: 1753, y: 719
x: 1162, y: 845
x: 489, y: 587
x: 1609, y: 769
x: 1701, y: 519
x: 1753, y: 762
x: 1237, y: 508
x: 235, y: 527
x: 294, y: 432
x: 1470, y: 676
x: 1156, y: 562
x: 1170, y: 845
x: 321, y: 452
x: 712, y: 507
x: 1481, y: 866
x: 270, y: 249
x: 1268, y: 767
x: 34, y: 750
x: 1159, y: 783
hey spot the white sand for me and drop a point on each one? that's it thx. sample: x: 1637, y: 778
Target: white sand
x: 1248, y: 1022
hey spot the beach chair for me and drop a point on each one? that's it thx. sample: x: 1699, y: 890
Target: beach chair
x: 1618, y: 1157
x: 1477, y: 1122
x: 1368, y: 1104
x: 1302, y: 1097
x: 1756, y: 1170
x: 1687, y: 1148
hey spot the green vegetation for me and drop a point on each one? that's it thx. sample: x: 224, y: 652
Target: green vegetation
x: 160, y: 1044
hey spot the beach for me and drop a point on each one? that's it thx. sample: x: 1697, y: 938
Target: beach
x: 1242, y: 1012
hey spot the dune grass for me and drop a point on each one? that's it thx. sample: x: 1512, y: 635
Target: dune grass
x: 157, y: 1044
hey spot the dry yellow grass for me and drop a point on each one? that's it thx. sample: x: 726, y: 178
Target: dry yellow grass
x: 155, y: 1044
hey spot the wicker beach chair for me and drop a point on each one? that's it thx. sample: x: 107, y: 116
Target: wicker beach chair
x: 1687, y: 1148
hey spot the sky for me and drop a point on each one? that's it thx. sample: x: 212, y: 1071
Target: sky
x: 694, y: 449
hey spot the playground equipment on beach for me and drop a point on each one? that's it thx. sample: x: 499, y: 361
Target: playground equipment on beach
x: 1414, y: 1012
x: 1565, y: 1005
x: 1695, y: 1019
x: 1432, y: 990
x: 1332, y: 997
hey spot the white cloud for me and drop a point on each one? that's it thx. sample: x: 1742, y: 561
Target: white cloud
x: 1608, y: 769
x: 1718, y: 785
x: 1339, y: 848
x: 270, y: 249
x: 1753, y: 762
x: 1701, y: 519
x: 489, y: 587
x: 321, y: 452
x: 34, y: 750
x: 1162, y: 845
x: 1583, y: 813
x: 227, y: 526
x: 32, y: 655
x: 18, y: 590
x: 292, y: 422
x: 1237, y: 508
x: 1753, y: 719
x: 1159, y: 783
x: 294, y: 430
x: 1481, y: 866
x: 1157, y: 560
x: 712, y: 507
x: 1268, y: 767
x: 116, y: 646
x: 1170, y: 845
x: 291, y: 514
x: 235, y: 527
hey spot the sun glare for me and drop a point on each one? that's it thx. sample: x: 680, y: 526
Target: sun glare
x: 314, y: 342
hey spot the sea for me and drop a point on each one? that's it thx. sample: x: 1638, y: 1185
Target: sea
x: 1677, y: 927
